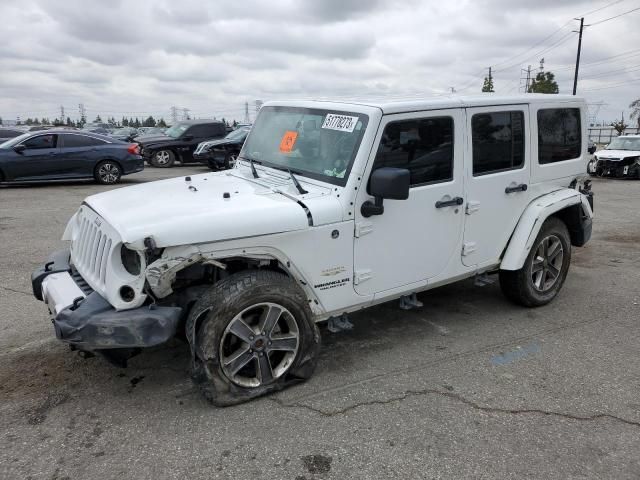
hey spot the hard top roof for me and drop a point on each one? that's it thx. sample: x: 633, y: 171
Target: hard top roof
x: 398, y: 105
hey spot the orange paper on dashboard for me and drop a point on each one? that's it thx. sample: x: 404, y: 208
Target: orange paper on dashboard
x: 288, y: 141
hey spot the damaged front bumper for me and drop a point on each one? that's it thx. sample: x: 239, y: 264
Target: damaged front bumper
x: 86, y: 320
x: 625, y: 168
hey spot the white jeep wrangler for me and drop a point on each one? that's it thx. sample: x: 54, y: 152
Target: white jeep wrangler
x: 331, y: 208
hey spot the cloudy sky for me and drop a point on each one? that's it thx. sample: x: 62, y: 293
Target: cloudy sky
x: 137, y: 58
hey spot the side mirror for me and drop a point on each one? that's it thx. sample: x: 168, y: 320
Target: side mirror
x: 387, y: 182
x: 20, y: 148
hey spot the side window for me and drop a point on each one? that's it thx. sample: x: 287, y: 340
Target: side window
x: 205, y: 131
x: 559, y: 134
x: 73, y: 141
x: 40, y: 142
x: 423, y: 146
x: 498, y: 141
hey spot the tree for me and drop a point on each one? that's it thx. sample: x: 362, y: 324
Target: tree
x: 635, y: 112
x: 149, y: 122
x: 161, y: 123
x: 70, y: 122
x: 619, y: 127
x: 488, y: 85
x: 0, y: 120
x: 545, y: 82
x: 125, y: 122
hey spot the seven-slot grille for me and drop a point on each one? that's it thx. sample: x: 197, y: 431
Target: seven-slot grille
x: 91, y: 249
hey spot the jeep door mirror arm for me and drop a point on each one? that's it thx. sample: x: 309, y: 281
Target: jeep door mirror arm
x: 386, y: 182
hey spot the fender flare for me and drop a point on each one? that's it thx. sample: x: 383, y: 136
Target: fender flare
x: 532, y: 219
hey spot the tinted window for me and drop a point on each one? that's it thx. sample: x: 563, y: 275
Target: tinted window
x: 559, y: 134
x: 72, y: 141
x: 206, y: 131
x: 424, y: 147
x: 498, y: 141
x: 40, y: 142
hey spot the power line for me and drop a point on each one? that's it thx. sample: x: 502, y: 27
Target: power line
x: 611, y: 86
x: 553, y: 46
x: 601, y: 8
x: 611, y: 18
x: 629, y: 69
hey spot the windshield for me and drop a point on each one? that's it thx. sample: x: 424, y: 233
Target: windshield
x: 237, y: 134
x: 317, y: 143
x: 15, y: 141
x: 624, y: 143
x: 176, y: 130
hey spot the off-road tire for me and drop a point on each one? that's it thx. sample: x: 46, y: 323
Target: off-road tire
x: 107, y: 172
x: 163, y: 159
x: 518, y: 285
x: 216, y: 308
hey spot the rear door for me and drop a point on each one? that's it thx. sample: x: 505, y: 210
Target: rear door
x: 497, y: 164
x: 78, y: 154
x: 39, y: 160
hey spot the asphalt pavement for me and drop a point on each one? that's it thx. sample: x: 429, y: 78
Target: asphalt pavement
x: 469, y: 386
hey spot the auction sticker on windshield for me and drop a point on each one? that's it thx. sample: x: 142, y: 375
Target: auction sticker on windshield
x: 343, y: 123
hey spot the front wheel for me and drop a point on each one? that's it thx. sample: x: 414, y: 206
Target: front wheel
x: 545, y: 269
x: 107, y: 173
x: 251, y: 334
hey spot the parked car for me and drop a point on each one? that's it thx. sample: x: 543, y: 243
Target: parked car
x: 221, y: 154
x: 621, y: 158
x: 150, y: 131
x: 67, y: 155
x: 6, y: 133
x: 124, y: 134
x: 179, y: 142
x: 331, y: 208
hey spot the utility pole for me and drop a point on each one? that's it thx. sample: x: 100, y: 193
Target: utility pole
x: 575, y: 77
x: 62, y: 114
x: 83, y: 113
x: 528, y: 78
x: 246, y: 113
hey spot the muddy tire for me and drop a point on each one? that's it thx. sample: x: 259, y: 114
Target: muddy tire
x: 251, y: 334
x: 545, y: 269
x: 163, y: 159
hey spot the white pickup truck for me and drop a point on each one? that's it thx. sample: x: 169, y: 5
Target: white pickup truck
x: 330, y: 208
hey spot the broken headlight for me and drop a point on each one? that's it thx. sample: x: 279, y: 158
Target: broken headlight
x: 130, y: 260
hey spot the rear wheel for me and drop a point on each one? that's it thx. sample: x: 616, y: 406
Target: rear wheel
x: 230, y: 160
x: 250, y: 335
x: 163, y: 159
x: 545, y: 269
x: 107, y: 172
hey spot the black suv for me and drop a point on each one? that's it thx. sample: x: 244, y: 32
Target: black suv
x: 179, y: 141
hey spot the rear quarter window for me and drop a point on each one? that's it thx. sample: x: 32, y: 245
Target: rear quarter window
x: 559, y: 135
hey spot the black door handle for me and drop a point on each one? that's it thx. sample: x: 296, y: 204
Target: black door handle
x: 518, y: 188
x: 449, y: 203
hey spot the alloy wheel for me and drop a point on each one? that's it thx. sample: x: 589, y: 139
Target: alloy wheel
x: 109, y: 173
x: 547, y: 263
x: 259, y: 345
x: 163, y: 157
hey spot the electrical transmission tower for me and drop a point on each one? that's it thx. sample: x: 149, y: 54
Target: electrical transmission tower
x: 185, y: 114
x: 83, y: 113
x: 594, y: 110
x: 62, y: 117
x: 174, y: 115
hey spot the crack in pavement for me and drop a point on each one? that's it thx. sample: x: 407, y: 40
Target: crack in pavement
x: 459, y: 398
x: 15, y: 291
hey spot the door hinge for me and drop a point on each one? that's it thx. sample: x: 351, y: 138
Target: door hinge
x: 468, y: 248
x: 360, y: 276
x: 363, y: 228
x: 472, y: 206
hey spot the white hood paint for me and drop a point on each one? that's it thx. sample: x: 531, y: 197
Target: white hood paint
x: 619, y: 154
x: 174, y: 214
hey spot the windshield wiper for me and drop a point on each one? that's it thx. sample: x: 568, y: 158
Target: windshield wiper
x: 295, y: 181
x: 253, y: 167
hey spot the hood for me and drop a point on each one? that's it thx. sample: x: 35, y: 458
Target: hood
x: 616, y: 154
x: 154, y: 138
x: 179, y: 212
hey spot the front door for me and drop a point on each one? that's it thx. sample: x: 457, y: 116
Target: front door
x: 39, y: 160
x: 497, y: 178
x: 414, y: 239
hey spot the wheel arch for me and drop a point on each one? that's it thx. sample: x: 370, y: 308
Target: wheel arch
x: 568, y: 205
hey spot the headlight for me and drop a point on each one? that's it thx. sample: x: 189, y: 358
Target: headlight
x: 130, y: 260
